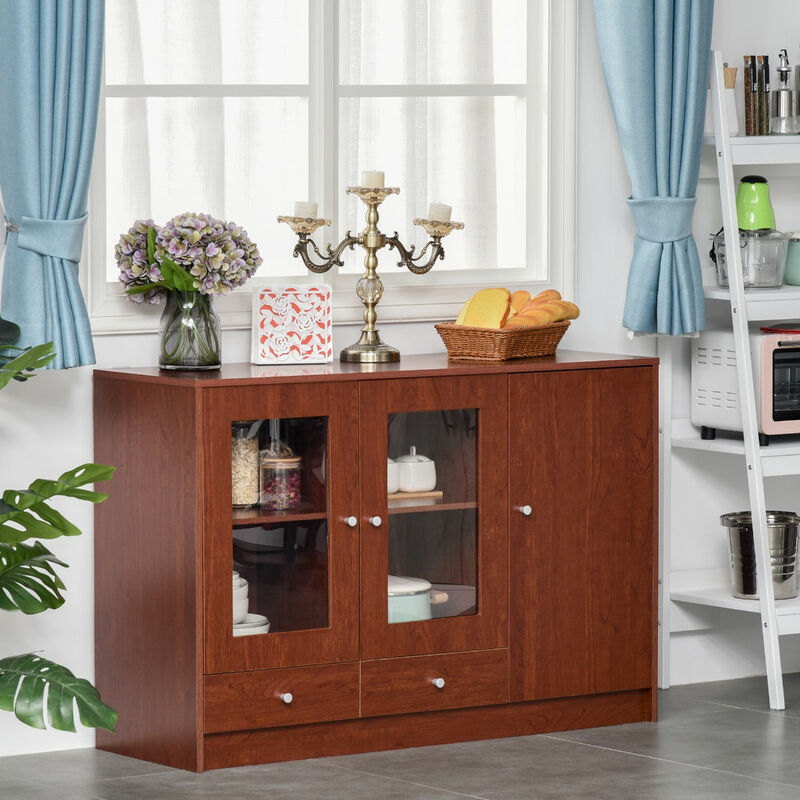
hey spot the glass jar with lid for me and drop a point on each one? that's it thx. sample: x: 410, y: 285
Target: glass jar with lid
x: 280, y: 481
x: 244, y: 464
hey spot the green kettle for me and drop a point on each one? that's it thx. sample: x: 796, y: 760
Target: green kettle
x: 753, y: 207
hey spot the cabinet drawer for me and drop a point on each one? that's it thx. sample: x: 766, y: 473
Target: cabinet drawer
x: 404, y: 685
x: 245, y: 700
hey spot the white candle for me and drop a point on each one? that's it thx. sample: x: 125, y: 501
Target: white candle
x: 439, y: 212
x: 372, y: 179
x: 307, y: 210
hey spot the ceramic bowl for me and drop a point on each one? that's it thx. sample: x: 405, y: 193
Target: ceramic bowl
x: 240, y: 607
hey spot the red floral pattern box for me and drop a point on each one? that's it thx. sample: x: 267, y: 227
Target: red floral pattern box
x: 292, y: 325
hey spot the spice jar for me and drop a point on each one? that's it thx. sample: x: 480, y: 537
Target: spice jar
x: 244, y: 464
x: 280, y: 481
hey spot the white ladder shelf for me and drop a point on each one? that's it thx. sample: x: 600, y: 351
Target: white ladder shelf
x: 783, y: 617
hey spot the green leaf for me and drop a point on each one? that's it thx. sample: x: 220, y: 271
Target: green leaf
x: 25, y: 514
x: 176, y: 277
x: 28, y: 581
x: 145, y: 287
x: 9, y: 332
x: 23, y: 680
x: 151, y: 244
x: 31, y: 358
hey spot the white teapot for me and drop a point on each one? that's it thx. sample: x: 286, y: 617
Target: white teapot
x: 392, y: 477
x: 417, y: 472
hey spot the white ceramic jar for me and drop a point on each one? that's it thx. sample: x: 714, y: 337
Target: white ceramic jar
x: 417, y: 473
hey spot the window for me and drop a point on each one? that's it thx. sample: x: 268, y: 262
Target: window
x: 241, y: 107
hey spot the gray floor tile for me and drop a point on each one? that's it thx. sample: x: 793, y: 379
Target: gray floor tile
x: 676, y: 702
x: 742, y: 693
x: 292, y: 781
x: 738, y: 741
x: 69, y: 767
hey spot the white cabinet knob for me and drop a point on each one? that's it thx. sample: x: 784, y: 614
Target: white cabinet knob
x: 438, y: 683
x: 351, y: 522
x: 375, y: 521
x: 287, y: 697
x: 526, y: 511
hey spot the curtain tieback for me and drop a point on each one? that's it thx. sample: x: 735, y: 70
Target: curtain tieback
x: 59, y: 238
x: 662, y: 219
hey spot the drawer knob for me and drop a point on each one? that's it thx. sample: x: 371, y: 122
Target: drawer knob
x: 526, y: 511
x: 438, y: 683
x: 287, y: 697
x: 375, y: 521
x: 351, y: 522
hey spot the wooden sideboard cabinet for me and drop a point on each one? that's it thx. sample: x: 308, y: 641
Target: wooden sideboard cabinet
x: 532, y: 604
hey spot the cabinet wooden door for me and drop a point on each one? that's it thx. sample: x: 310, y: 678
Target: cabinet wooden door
x: 434, y: 554
x: 280, y: 476
x: 583, y: 563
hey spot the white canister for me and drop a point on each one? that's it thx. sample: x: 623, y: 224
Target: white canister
x: 409, y: 599
x: 417, y: 472
x: 392, y: 476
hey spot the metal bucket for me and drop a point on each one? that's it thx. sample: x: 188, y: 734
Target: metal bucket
x: 782, y: 530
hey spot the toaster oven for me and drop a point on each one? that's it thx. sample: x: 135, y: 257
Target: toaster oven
x: 775, y: 354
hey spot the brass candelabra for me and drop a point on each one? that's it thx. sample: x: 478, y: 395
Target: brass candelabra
x: 369, y: 348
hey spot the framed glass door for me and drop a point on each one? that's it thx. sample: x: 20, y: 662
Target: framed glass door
x: 434, y: 513
x: 281, y: 533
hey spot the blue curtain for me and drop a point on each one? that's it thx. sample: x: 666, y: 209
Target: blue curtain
x: 655, y: 57
x: 50, y: 67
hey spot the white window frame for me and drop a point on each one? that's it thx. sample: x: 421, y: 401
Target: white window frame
x: 551, y: 154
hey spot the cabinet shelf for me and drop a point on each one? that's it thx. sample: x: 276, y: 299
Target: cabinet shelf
x: 242, y: 517
x: 787, y: 611
x: 780, y: 457
x: 762, y: 150
x: 417, y: 506
x: 762, y: 304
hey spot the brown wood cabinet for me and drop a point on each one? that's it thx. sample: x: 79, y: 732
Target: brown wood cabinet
x: 508, y: 588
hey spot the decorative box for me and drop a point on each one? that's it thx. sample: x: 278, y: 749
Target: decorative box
x: 292, y: 325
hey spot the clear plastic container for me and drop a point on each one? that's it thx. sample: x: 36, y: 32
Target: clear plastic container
x: 763, y: 258
x: 280, y: 482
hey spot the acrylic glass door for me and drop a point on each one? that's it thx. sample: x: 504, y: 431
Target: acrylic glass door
x: 281, y: 532
x: 434, y: 557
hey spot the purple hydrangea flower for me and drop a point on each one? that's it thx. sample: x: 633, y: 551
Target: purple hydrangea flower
x: 130, y: 253
x: 218, y: 255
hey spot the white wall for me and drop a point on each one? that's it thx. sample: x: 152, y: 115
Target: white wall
x: 47, y: 423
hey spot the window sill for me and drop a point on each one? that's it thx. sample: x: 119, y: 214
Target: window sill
x: 400, y: 304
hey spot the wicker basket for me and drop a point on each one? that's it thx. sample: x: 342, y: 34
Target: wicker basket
x: 465, y: 343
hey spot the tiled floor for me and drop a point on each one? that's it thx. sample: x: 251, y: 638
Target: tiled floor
x: 713, y: 741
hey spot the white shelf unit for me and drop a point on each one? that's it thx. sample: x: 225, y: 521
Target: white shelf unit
x: 782, y: 456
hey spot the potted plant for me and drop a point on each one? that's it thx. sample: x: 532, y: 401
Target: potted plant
x: 40, y: 692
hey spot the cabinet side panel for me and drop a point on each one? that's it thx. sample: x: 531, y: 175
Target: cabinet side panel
x: 146, y: 590
x: 583, y: 565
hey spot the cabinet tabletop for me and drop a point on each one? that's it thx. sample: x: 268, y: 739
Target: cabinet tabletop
x: 411, y: 366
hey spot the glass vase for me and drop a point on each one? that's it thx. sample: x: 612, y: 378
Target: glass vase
x: 190, y: 336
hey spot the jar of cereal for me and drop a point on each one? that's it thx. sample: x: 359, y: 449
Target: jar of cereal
x: 280, y: 481
x: 244, y: 464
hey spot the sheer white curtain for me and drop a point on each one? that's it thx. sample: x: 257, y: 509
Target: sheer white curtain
x: 434, y: 145
x: 241, y: 156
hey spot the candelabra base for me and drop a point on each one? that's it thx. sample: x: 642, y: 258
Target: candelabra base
x: 369, y: 349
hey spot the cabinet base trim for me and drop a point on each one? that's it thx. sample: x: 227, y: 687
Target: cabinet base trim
x: 430, y: 728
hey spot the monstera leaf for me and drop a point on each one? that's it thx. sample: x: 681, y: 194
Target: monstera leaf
x: 28, y: 580
x: 25, y: 514
x: 23, y: 680
x: 19, y: 367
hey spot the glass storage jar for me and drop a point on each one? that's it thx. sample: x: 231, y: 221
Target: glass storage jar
x: 244, y: 464
x: 280, y: 481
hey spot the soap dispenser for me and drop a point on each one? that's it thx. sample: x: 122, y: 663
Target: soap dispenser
x: 783, y: 120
